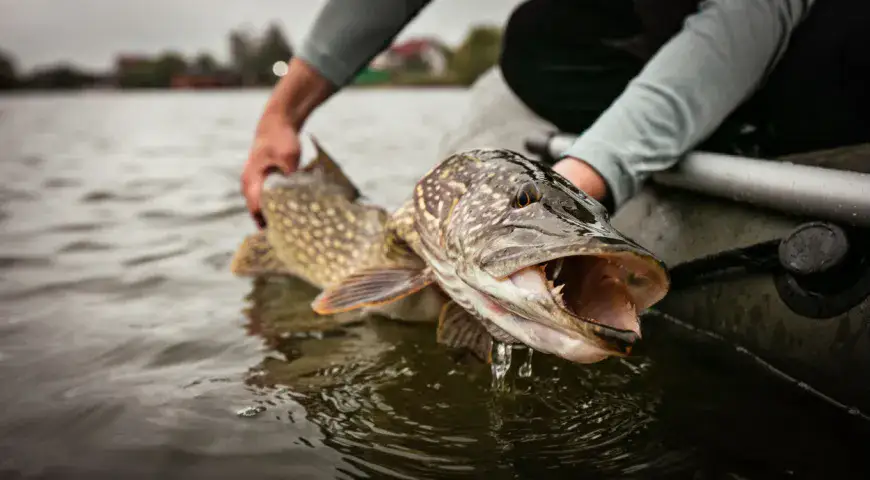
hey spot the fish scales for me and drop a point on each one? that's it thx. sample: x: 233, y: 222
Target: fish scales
x: 492, y: 244
x: 326, y: 240
x: 319, y: 230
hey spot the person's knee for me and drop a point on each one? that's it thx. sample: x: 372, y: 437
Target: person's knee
x: 553, y: 57
x: 523, y: 29
x: 538, y: 35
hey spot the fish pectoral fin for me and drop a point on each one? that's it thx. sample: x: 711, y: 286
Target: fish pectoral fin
x: 371, y: 287
x: 458, y: 328
x: 256, y: 257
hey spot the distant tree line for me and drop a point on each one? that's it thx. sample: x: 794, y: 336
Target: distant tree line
x: 253, y: 59
x: 251, y: 64
x: 8, y: 73
x: 478, y: 53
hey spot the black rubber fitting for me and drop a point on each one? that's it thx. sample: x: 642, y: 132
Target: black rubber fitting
x: 814, y: 249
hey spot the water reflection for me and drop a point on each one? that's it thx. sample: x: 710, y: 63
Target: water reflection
x: 397, y: 404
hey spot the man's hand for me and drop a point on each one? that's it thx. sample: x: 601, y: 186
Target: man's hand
x: 276, y: 147
x: 582, y: 176
x: 276, y: 142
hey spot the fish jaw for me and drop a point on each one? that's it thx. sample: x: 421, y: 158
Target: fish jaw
x: 642, y: 273
x: 592, y: 313
x: 540, y: 336
x: 545, y: 339
x: 490, y: 222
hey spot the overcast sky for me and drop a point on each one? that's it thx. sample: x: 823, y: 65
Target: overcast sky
x: 91, y: 32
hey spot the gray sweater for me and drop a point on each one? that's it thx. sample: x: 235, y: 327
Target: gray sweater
x: 720, y: 57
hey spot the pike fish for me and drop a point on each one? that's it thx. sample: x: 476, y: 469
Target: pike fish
x: 491, y: 245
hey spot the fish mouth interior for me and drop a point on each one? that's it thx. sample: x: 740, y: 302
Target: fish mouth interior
x: 607, y: 290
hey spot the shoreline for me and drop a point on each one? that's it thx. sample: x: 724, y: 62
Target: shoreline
x: 387, y: 86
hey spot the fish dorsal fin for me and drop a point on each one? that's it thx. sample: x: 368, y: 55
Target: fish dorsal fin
x: 256, y: 257
x: 457, y: 328
x: 325, y: 168
x: 371, y: 287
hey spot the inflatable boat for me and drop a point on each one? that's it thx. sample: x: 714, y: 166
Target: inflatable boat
x: 770, y: 257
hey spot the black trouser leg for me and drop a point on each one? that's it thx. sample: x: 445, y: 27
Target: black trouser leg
x: 553, y: 58
x: 818, y: 96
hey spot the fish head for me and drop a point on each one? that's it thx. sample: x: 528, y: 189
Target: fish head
x: 542, y: 262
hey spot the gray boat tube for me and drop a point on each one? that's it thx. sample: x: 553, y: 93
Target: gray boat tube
x: 804, y: 190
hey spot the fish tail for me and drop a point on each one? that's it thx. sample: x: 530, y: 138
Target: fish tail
x: 255, y: 256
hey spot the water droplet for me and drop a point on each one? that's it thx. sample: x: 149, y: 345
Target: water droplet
x: 526, y: 368
x: 501, y: 363
x: 251, y: 411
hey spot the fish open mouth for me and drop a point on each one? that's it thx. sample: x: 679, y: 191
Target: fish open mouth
x: 607, y: 291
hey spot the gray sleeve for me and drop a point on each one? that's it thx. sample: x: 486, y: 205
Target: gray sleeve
x: 718, y: 59
x: 347, y: 34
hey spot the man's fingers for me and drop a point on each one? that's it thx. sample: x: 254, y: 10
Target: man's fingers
x: 266, y: 159
x: 277, y: 168
x: 286, y: 159
x: 252, y: 188
x: 259, y: 219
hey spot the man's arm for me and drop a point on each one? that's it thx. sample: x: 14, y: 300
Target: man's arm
x: 345, y: 37
x: 718, y: 59
x: 347, y: 34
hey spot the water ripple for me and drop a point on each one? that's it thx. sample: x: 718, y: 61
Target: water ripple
x: 11, y: 194
x: 103, y: 285
x: 392, y: 419
x: 79, y: 227
x: 187, y: 218
x: 54, y: 183
x: 13, y: 262
x: 100, y: 196
x: 85, y: 246
x: 156, y: 257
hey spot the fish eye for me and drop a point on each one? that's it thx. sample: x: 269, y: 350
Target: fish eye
x: 527, y: 194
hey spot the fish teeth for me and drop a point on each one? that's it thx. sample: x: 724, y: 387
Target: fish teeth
x: 557, y: 292
x: 558, y: 268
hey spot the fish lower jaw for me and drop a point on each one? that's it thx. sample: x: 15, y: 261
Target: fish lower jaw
x: 530, y: 285
x: 552, y: 340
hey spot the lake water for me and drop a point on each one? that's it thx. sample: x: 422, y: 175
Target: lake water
x: 128, y: 350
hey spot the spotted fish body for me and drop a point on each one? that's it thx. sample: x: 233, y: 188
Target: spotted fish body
x: 482, y: 240
x: 426, y: 221
x: 320, y: 231
x: 321, y: 234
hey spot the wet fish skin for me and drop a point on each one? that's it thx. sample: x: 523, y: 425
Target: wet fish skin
x: 319, y: 229
x: 487, y: 224
x: 486, y: 215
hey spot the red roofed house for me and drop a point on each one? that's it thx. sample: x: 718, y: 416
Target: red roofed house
x: 427, y: 54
